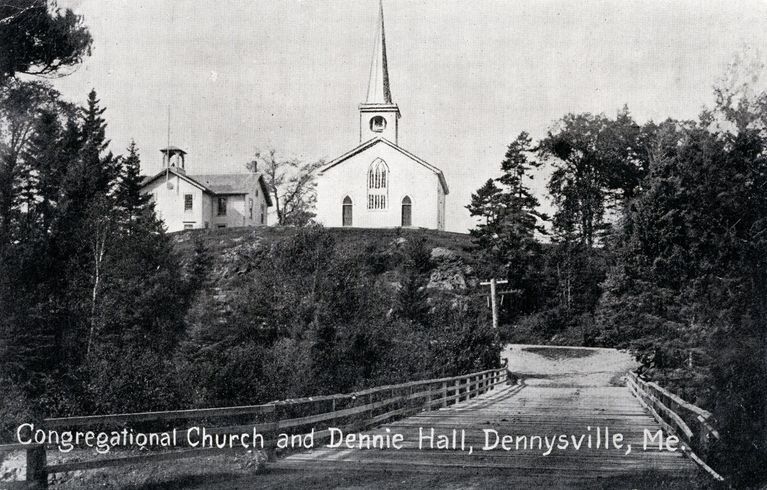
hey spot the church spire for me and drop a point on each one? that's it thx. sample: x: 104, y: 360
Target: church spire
x: 379, y: 116
x: 378, y: 86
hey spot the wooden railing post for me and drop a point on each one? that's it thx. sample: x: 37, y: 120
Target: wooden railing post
x: 457, y: 393
x: 427, y: 405
x: 36, y: 462
x: 444, y: 394
x: 270, y: 443
x: 370, y: 412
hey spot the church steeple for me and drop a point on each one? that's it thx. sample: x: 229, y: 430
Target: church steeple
x: 379, y: 116
x: 378, y: 85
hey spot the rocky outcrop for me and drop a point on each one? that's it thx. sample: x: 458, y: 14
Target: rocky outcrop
x: 450, y: 273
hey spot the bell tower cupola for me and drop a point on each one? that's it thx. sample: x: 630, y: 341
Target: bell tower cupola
x: 173, y: 157
x: 379, y: 116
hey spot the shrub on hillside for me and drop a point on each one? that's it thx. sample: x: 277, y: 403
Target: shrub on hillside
x: 15, y: 409
x: 310, y: 317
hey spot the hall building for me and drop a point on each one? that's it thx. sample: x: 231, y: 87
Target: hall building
x: 187, y: 202
x: 379, y: 184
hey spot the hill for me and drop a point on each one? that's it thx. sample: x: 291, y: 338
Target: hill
x: 455, y: 265
x: 222, y: 240
x: 286, y: 312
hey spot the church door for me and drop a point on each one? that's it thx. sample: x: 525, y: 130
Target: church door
x: 347, y: 211
x: 407, y: 212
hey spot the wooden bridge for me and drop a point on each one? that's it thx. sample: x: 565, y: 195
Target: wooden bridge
x: 514, y: 427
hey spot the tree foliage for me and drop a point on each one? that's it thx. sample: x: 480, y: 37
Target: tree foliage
x: 40, y: 39
x: 292, y: 185
x: 510, y: 222
x: 687, y: 285
x: 597, y: 162
x: 322, y: 324
x: 88, y: 275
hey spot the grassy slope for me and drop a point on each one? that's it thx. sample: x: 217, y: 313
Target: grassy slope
x: 220, y: 240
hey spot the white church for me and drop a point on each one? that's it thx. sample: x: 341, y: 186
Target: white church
x: 379, y: 184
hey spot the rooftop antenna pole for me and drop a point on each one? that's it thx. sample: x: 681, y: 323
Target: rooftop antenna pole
x: 166, y: 156
x: 168, y: 125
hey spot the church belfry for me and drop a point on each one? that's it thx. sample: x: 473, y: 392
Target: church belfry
x: 379, y: 116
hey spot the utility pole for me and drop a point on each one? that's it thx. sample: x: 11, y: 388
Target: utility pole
x: 493, y: 297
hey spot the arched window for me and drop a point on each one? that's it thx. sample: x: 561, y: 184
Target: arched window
x: 378, y: 184
x: 346, y: 211
x: 407, y: 211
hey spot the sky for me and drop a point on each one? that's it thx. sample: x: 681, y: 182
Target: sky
x: 468, y: 76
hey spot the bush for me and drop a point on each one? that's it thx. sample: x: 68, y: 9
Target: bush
x: 15, y: 409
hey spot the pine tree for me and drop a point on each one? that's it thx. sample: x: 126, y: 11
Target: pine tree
x: 100, y: 167
x: 487, y: 204
x: 46, y: 170
x: 135, y: 207
x: 411, y: 301
x: 521, y: 224
x: 512, y: 220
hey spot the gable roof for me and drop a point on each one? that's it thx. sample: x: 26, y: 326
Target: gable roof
x: 148, y: 180
x: 224, y: 183
x: 218, y: 184
x: 232, y: 183
x: 371, y: 143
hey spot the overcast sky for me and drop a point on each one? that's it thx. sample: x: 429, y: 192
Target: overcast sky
x: 468, y: 75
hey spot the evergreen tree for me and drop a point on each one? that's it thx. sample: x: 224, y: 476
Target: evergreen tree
x: 135, y: 207
x: 45, y: 168
x: 411, y: 300
x: 687, y: 289
x: 512, y: 222
x: 487, y: 204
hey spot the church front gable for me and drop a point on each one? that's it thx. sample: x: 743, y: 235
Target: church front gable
x: 379, y: 187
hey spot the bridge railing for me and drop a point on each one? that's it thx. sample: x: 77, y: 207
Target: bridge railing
x: 349, y: 412
x: 693, y: 425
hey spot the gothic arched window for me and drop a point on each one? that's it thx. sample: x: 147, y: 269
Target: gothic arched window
x: 407, y: 211
x: 378, y: 184
x: 346, y: 211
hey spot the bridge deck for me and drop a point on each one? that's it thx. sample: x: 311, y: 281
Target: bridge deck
x: 554, y: 403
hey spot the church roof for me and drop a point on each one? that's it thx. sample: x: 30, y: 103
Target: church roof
x: 370, y: 143
x: 379, y: 91
x: 218, y: 184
